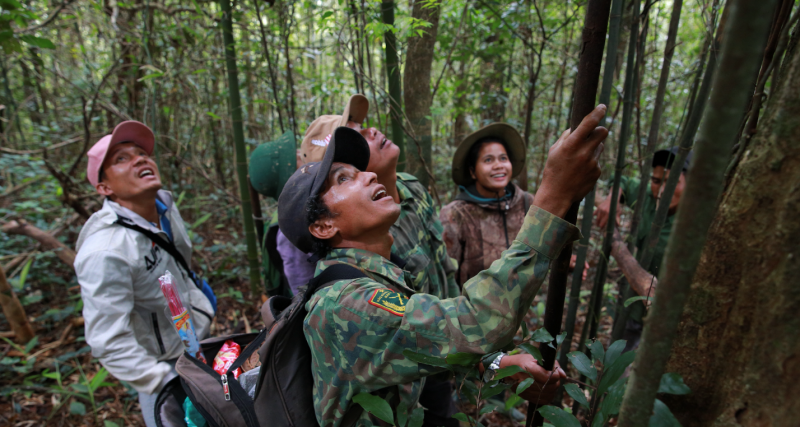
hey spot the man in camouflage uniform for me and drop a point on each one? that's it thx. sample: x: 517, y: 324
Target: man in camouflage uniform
x: 417, y: 232
x: 358, y: 329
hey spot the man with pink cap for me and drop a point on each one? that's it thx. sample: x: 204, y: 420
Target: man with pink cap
x: 122, y: 251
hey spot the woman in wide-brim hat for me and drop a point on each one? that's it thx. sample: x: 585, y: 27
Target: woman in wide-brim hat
x: 489, y: 210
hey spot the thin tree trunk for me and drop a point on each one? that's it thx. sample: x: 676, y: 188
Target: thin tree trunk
x: 273, y: 80
x: 739, y: 59
x: 14, y: 312
x: 588, y: 203
x: 393, y: 75
x: 417, y: 93
x: 627, y: 112
x: 584, y: 101
x: 238, y: 139
x: 646, y: 164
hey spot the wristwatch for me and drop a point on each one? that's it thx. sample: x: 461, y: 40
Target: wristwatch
x: 491, y: 371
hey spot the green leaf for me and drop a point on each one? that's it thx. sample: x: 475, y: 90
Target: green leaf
x: 425, y: 359
x: 576, y: 393
x: 98, y: 379
x: 598, y: 352
x: 327, y: 14
x: 213, y: 115
x: 662, y: 416
x: 150, y: 76
x: 52, y: 375
x: 672, y: 383
x: 77, y: 408
x: 507, y: 372
x: 31, y: 344
x: 107, y: 423
x: 614, y: 350
x: 512, y: 401
x: 491, y: 390
x: 417, y: 416
x: 38, y: 42
x: 402, y: 414
x: 463, y: 359
x: 488, y: 408
x: 583, y: 364
x: 613, y: 399
x: 559, y: 417
x: 200, y: 221
x: 541, y: 335
x: 527, y: 382
x: 599, y: 419
x: 612, y: 373
x: 463, y: 417
x: 560, y: 338
x: 24, y: 273
x: 632, y: 300
x: 532, y: 350
x: 375, y: 406
x: 10, y: 4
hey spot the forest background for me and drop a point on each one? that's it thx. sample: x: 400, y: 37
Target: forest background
x: 433, y: 72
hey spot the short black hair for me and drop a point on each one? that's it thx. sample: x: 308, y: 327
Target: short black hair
x: 472, y: 156
x: 316, y: 209
x: 101, y: 175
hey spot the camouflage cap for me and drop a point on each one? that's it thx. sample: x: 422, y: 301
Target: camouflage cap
x: 310, y: 179
x: 318, y: 134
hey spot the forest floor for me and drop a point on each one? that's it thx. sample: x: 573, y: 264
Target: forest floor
x: 54, y: 380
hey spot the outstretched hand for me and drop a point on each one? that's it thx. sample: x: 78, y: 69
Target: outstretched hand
x: 571, y: 169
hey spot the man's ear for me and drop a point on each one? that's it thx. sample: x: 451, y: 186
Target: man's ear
x: 472, y: 173
x: 323, y: 229
x: 104, y: 189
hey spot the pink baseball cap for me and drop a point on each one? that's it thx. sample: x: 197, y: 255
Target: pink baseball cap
x: 128, y: 131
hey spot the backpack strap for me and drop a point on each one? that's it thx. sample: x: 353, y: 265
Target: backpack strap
x: 164, y: 244
x: 331, y: 275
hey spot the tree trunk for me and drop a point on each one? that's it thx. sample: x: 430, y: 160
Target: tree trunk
x: 737, y: 345
x: 584, y: 101
x: 238, y: 140
x: 739, y: 59
x: 47, y: 240
x: 393, y: 74
x: 417, y: 94
x: 13, y: 311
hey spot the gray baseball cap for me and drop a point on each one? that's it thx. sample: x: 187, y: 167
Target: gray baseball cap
x: 310, y: 179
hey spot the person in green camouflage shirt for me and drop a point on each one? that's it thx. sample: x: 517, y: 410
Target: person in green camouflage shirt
x: 358, y: 329
x: 640, y: 281
x: 417, y: 233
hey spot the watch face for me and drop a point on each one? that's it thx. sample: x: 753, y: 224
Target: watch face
x: 489, y: 375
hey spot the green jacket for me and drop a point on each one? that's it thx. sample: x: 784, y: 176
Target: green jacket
x: 418, y: 241
x: 630, y: 192
x: 357, y: 329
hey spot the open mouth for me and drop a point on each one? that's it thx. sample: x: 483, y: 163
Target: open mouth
x: 383, y: 142
x: 381, y: 193
x: 146, y: 172
x: 498, y: 176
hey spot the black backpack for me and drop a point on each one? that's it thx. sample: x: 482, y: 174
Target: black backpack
x: 284, y: 391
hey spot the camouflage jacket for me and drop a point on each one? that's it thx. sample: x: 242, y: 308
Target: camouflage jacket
x: 418, y: 241
x: 477, y: 231
x: 357, y: 329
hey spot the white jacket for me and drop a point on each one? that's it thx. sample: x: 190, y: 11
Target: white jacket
x: 126, y: 315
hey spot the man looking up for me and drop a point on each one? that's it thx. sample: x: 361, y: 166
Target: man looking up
x: 118, y: 267
x: 417, y: 231
x: 629, y: 190
x: 358, y: 329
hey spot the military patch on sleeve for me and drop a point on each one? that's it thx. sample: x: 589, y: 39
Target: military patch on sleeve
x: 391, y: 301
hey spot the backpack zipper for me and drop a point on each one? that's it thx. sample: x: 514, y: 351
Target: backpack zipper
x: 225, y: 388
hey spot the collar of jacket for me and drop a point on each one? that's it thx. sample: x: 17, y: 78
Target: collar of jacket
x: 371, y: 263
x: 470, y: 194
x: 165, y: 197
